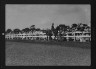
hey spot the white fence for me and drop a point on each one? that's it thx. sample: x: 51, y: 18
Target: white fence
x: 81, y: 37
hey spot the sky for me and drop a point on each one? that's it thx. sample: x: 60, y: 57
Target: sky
x: 42, y: 15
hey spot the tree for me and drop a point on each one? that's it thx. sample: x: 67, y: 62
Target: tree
x: 37, y: 29
x: 74, y: 27
x: 32, y: 28
x: 68, y: 28
x: 52, y: 27
x: 63, y: 27
x: 60, y: 29
x: 17, y: 31
x: 81, y: 27
x: 26, y: 30
x: 8, y: 31
x: 85, y: 25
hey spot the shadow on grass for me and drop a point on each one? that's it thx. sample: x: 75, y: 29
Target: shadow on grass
x: 84, y: 45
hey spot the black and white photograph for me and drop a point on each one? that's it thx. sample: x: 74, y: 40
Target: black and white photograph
x: 48, y: 35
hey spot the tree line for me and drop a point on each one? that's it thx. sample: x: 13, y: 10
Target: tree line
x: 59, y: 30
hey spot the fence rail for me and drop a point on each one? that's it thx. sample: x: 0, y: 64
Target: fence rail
x: 81, y: 37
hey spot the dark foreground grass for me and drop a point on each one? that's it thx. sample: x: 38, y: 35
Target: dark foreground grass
x: 85, y: 45
x: 36, y: 54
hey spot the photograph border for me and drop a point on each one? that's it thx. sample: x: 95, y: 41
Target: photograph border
x: 3, y: 23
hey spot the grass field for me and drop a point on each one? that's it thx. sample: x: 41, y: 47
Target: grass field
x: 35, y: 54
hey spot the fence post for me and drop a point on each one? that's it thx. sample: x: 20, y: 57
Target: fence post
x: 74, y: 36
